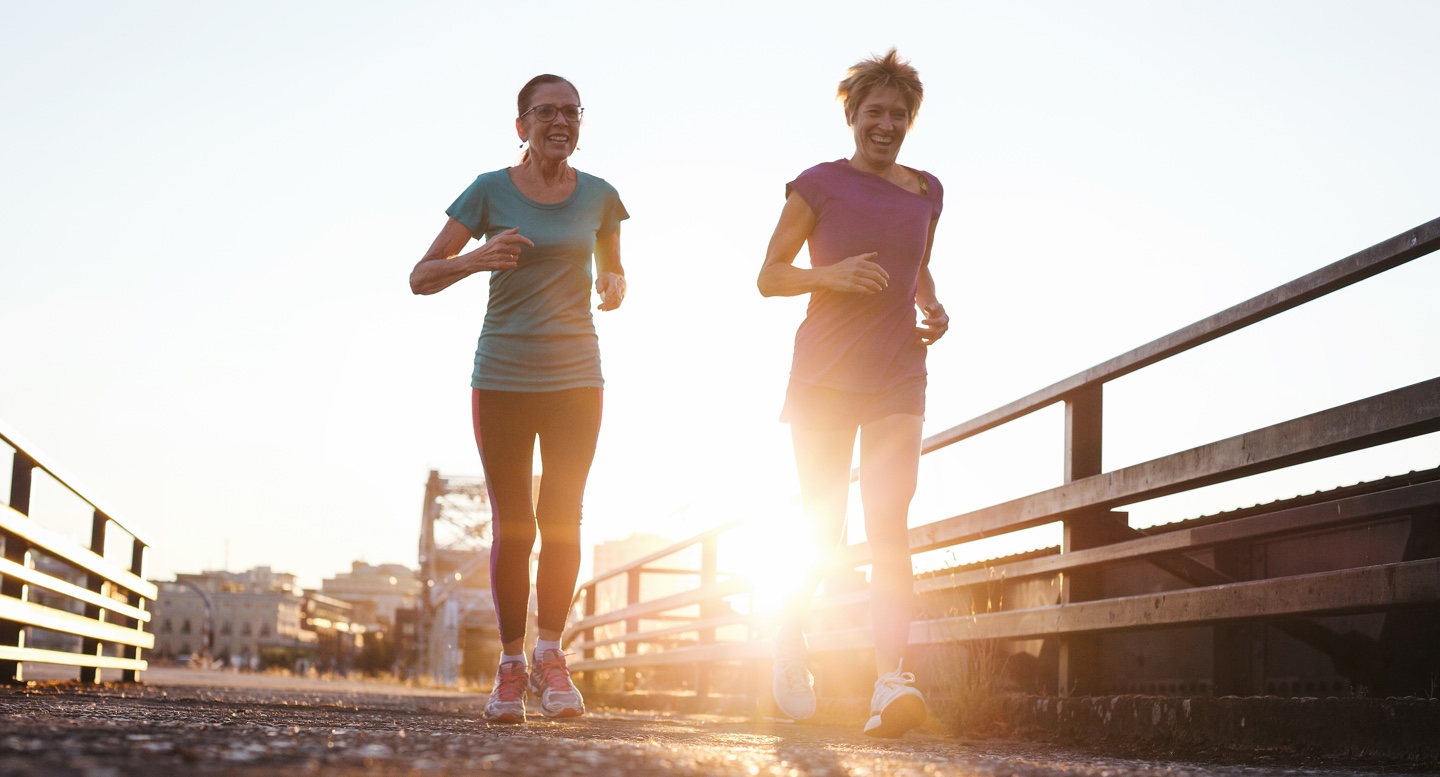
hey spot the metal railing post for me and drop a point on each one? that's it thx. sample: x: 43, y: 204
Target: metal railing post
x: 18, y: 551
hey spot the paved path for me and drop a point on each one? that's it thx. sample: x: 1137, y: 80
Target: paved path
x: 183, y: 723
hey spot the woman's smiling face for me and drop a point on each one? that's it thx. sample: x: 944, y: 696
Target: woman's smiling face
x: 880, y: 124
x: 556, y: 139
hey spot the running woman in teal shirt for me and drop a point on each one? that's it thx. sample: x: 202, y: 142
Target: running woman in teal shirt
x: 537, y: 372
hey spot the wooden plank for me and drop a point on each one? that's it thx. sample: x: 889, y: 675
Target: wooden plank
x: 1394, y: 415
x: 1376, y: 259
x: 657, y: 555
x: 733, y: 619
x: 31, y: 614
x: 1346, y: 591
x: 644, y: 610
x: 37, y: 578
x: 701, y: 654
x: 37, y: 656
x: 19, y: 524
x: 1327, y: 593
x: 1307, y: 517
x: 69, y: 481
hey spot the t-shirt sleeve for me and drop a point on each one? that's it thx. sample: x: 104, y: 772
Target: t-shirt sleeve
x: 810, y: 187
x: 937, y: 196
x: 614, y: 214
x: 472, y: 209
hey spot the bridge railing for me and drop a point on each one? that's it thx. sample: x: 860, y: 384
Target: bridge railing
x: 61, y: 602
x: 1095, y: 536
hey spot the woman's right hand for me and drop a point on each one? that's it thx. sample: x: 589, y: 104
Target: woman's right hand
x: 500, y: 252
x: 856, y: 274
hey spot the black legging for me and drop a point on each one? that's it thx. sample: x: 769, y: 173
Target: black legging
x: 506, y: 425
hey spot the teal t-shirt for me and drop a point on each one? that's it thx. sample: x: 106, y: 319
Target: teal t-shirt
x: 538, y: 333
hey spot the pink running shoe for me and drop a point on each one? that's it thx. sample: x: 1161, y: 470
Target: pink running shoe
x: 559, y: 698
x: 507, y: 697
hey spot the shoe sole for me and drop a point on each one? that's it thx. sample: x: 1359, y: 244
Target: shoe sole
x: 506, y: 718
x: 899, y: 716
x: 790, y: 714
x: 568, y: 712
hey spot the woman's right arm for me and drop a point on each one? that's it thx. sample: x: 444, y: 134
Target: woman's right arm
x: 779, y: 277
x: 443, y: 264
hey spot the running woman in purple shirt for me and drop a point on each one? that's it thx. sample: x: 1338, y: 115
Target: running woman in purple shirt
x: 859, y: 367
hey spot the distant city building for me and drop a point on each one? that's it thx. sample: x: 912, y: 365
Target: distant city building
x: 375, y: 590
x: 256, y: 619
x: 339, y: 640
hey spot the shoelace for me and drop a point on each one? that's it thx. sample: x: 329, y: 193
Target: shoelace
x: 795, y: 674
x: 510, y: 684
x: 897, y: 679
x: 554, y: 674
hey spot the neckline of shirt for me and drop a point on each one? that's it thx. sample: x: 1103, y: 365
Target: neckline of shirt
x: 543, y: 205
x: 874, y: 176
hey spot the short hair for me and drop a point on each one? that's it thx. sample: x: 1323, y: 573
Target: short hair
x: 873, y: 73
x: 528, y: 90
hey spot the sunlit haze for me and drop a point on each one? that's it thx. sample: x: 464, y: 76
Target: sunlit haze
x: 208, y: 213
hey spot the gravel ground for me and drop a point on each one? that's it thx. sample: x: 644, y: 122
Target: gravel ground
x: 275, y: 726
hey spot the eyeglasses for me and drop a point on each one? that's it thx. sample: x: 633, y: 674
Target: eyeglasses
x: 549, y: 112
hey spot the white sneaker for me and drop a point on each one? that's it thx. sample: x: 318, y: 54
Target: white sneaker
x: 895, y: 707
x: 793, y: 685
x: 550, y: 680
x: 507, y: 697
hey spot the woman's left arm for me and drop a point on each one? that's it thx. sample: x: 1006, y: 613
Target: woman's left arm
x: 609, y: 273
x: 936, y: 322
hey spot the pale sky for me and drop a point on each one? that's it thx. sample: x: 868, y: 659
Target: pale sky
x: 208, y: 213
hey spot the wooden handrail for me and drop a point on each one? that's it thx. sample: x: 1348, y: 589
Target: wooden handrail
x: 50, y: 467
x: 1394, y: 415
x: 1382, y: 256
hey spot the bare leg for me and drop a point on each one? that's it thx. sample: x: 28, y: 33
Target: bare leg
x: 889, y: 468
x: 822, y: 459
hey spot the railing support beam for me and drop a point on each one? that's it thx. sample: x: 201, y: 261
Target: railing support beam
x: 1079, y: 655
x: 137, y: 568
x: 17, y: 550
x: 95, y: 583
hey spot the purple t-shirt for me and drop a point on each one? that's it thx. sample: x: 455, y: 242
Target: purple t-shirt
x: 863, y: 342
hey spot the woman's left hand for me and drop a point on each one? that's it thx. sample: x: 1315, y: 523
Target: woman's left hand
x: 611, y: 286
x: 935, y: 324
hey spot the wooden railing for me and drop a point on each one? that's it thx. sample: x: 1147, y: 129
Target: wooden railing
x: 90, y: 601
x: 1095, y: 536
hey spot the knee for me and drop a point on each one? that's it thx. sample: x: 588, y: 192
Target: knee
x: 890, y: 549
x: 514, y: 533
x: 559, y: 526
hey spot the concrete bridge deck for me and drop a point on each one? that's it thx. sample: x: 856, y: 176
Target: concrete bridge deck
x: 187, y: 722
